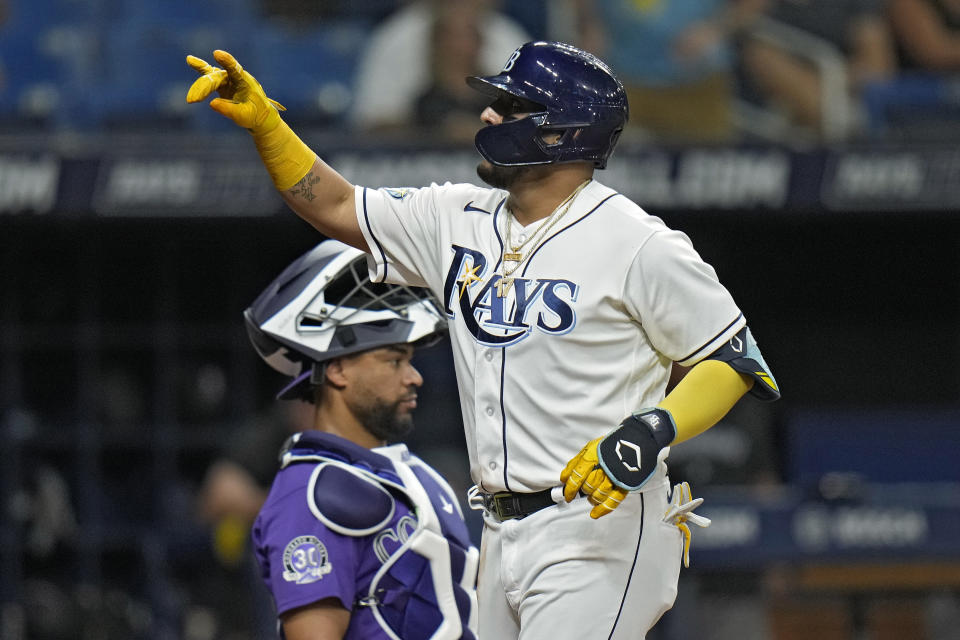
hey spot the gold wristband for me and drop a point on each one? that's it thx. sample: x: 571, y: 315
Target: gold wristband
x: 286, y: 157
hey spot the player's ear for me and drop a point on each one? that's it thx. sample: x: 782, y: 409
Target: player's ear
x: 335, y: 374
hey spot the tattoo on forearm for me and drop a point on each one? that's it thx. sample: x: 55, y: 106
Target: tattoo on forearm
x: 304, y: 188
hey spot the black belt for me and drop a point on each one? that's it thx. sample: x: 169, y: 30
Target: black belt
x: 508, y: 506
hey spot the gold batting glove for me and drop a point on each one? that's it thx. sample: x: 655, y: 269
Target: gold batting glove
x: 584, y: 474
x: 241, y: 98
x: 682, y: 504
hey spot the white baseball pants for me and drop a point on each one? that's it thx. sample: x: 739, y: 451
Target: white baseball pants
x: 560, y: 575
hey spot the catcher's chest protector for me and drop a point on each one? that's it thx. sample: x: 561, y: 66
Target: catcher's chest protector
x: 425, y: 585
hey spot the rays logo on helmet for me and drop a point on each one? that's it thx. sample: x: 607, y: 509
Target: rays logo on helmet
x: 305, y: 560
x: 511, y: 61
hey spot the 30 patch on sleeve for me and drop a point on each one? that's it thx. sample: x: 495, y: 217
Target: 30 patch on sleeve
x: 305, y: 560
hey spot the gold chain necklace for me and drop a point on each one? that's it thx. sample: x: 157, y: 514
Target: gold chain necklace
x: 516, y: 257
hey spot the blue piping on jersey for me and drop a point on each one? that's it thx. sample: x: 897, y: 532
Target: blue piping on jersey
x: 722, y: 331
x: 503, y: 356
x: 496, y: 231
x: 503, y: 351
x: 636, y: 554
x: 503, y: 415
x: 383, y: 254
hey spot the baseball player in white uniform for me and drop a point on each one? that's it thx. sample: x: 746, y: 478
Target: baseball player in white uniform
x: 568, y: 307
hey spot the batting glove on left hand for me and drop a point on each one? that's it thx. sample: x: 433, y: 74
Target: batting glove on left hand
x: 622, y: 461
x: 583, y: 474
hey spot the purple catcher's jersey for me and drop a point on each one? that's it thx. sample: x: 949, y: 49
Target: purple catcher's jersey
x: 378, y: 530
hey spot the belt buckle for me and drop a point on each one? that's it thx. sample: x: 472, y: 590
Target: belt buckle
x: 504, y: 505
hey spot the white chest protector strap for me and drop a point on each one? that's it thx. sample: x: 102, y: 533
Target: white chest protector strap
x: 427, y: 541
x: 357, y: 502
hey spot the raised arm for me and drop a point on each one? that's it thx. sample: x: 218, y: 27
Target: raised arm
x: 310, y: 187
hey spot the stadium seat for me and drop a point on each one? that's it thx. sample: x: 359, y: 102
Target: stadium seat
x: 48, y: 51
x: 309, y: 70
x: 145, y: 76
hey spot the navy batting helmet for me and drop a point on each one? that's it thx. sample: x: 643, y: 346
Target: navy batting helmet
x: 324, y: 306
x: 566, y: 91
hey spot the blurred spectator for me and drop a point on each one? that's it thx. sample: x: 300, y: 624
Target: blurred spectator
x: 927, y: 34
x: 675, y: 58
x: 449, y: 109
x: 395, y: 68
x: 236, y: 483
x: 797, y: 59
x: 925, y: 94
x: 234, y: 489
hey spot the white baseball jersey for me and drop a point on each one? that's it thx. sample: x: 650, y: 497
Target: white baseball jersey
x: 586, y: 334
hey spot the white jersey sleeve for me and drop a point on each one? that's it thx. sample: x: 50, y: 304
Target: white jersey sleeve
x: 685, y: 311
x: 409, y: 230
x: 402, y: 236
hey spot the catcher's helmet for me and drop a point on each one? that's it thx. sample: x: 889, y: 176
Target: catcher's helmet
x: 567, y: 91
x: 324, y: 306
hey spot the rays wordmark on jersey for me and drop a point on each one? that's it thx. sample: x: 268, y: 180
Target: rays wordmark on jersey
x: 496, y: 320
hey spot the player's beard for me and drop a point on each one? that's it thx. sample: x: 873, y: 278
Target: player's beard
x: 384, y: 420
x: 500, y: 177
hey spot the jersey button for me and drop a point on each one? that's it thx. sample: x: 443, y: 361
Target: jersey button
x: 488, y: 355
x: 489, y: 411
x: 492, y: 465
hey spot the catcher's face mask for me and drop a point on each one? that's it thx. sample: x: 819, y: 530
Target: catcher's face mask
x: 324, y: 306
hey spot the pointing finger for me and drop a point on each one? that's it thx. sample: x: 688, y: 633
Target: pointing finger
x: 206, y: 84
x: 228, y: 62
x: 198, y: 64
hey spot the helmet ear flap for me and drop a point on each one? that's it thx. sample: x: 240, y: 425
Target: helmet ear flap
x: 513, y: 143
x: 614, y: 138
